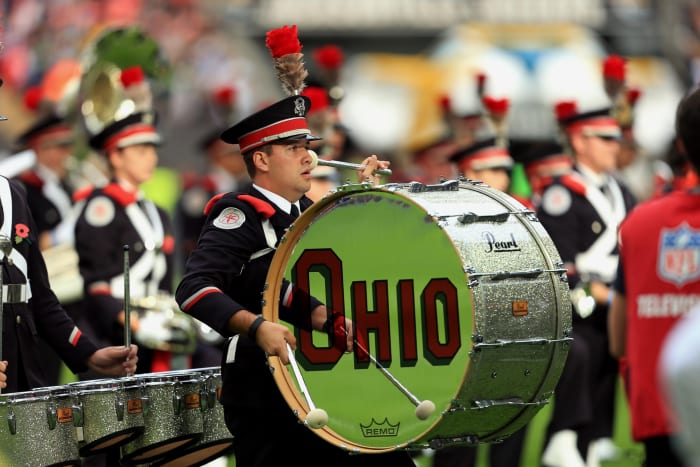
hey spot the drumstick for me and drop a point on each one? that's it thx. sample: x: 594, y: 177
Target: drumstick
x: 127, y: 303
x: 424, y: 409
x: 316, y: 418
x: 333, y: 163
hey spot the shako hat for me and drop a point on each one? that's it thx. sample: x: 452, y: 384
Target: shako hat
x: 482, y: 155
x: 283, y: 120
x: 597, y: 122
x: 137, y: 128
x: 48, y: 130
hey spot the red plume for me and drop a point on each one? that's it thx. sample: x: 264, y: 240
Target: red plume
x: 633, y: 95
x: 565, y: 109
x: 614, y: 75
x: 445, y: 103
x: 496, y: 107
x: 614, y: 68
x: 132, y: 75
x: 329, y: 57
x: 224, y: 96
x: 32, y: 98
x: 286, y: 53
x: 283, y: 41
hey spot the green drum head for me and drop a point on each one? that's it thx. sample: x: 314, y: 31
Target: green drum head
x: 381, y: 260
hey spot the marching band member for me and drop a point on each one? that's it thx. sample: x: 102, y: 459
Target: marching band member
x: 225, y: 276
x: 581, y: 211
x: 118, y: 215
x: 31, y: 309
x: 49, y: 194
x: 222, y: 287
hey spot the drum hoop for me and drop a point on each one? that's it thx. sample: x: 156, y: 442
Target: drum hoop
x: 281, y: 374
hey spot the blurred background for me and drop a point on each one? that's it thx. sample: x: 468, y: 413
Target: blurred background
x: 399, y: 58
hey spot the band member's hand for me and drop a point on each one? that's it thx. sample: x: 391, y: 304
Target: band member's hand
x: 114, y: 360
x: 372, y: 164
x: 273, y: 337
x: 3, y: 376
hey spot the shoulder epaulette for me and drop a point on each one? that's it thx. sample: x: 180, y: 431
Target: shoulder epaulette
x: 31, y: 178
x: 210, y: 204
x: 119, y: 194
x: 82, y: 193
x: 574, y: 183
x: 261, y: 206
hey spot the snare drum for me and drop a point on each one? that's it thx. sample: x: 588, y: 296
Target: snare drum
x: 216, y: 440
x: 112, y: 413
x: 172, y: 416
x: 459, y: 295
x: 37, y: 428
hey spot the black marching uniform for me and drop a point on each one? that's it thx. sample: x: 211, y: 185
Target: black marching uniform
x: 582, y: 218
x: 110, y: 219
x: 226, y: 273
x: 30, y: 309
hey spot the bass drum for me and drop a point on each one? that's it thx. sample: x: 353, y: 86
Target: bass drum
x: 459, y: 295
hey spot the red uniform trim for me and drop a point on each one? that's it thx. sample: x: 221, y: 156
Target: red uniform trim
x: 83, y: 193
x: 32, y: 179
x: 119, y: 194
x: 572, y: 183
x: 261, y: 206
x: 212, y: 202
x: 291, y: 127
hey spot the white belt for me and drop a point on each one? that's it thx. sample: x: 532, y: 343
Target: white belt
x: 14, y: 293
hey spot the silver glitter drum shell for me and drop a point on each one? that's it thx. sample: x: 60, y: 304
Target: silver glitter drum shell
x: 37, y: 428
x: 112, y: 413
x: 216, y: 440
x: 458, y: 291
x: 172, y: 416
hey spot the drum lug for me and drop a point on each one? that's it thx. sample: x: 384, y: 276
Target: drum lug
x: 12, y: 421
x: 78, y: 420
x: 177, y: 404
x: 119, y: 409
x: 51, y: 417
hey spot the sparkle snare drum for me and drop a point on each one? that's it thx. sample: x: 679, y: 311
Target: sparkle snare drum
x: 37, y: 428
x: 216, y: 440
x: 112, y: 413
x: 172, y: 416
x: 459, y: 295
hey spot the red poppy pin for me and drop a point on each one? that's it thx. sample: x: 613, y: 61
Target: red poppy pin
x: 21, y: 232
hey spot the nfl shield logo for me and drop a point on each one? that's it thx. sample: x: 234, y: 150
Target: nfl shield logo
x: 679, y: 255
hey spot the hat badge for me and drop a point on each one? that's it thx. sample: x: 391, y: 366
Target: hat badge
x: 299, y: 107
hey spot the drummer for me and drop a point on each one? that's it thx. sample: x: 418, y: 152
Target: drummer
x: 116, y: 215
x: 23, y: 321
x: 224, y: 280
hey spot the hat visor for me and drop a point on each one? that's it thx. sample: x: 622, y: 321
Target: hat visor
x: 296, y: 138
x: 140, y: 138
x: 613, y: 134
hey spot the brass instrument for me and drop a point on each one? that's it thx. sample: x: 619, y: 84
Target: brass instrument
x: 163, y: 326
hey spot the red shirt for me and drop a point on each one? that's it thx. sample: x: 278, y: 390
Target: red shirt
x: 660, y: 257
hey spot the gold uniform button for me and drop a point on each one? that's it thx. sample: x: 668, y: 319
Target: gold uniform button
x: 596, y: 227
x: 19, y: 319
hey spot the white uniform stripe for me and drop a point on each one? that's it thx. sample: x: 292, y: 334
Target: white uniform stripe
x: 197, y: 295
